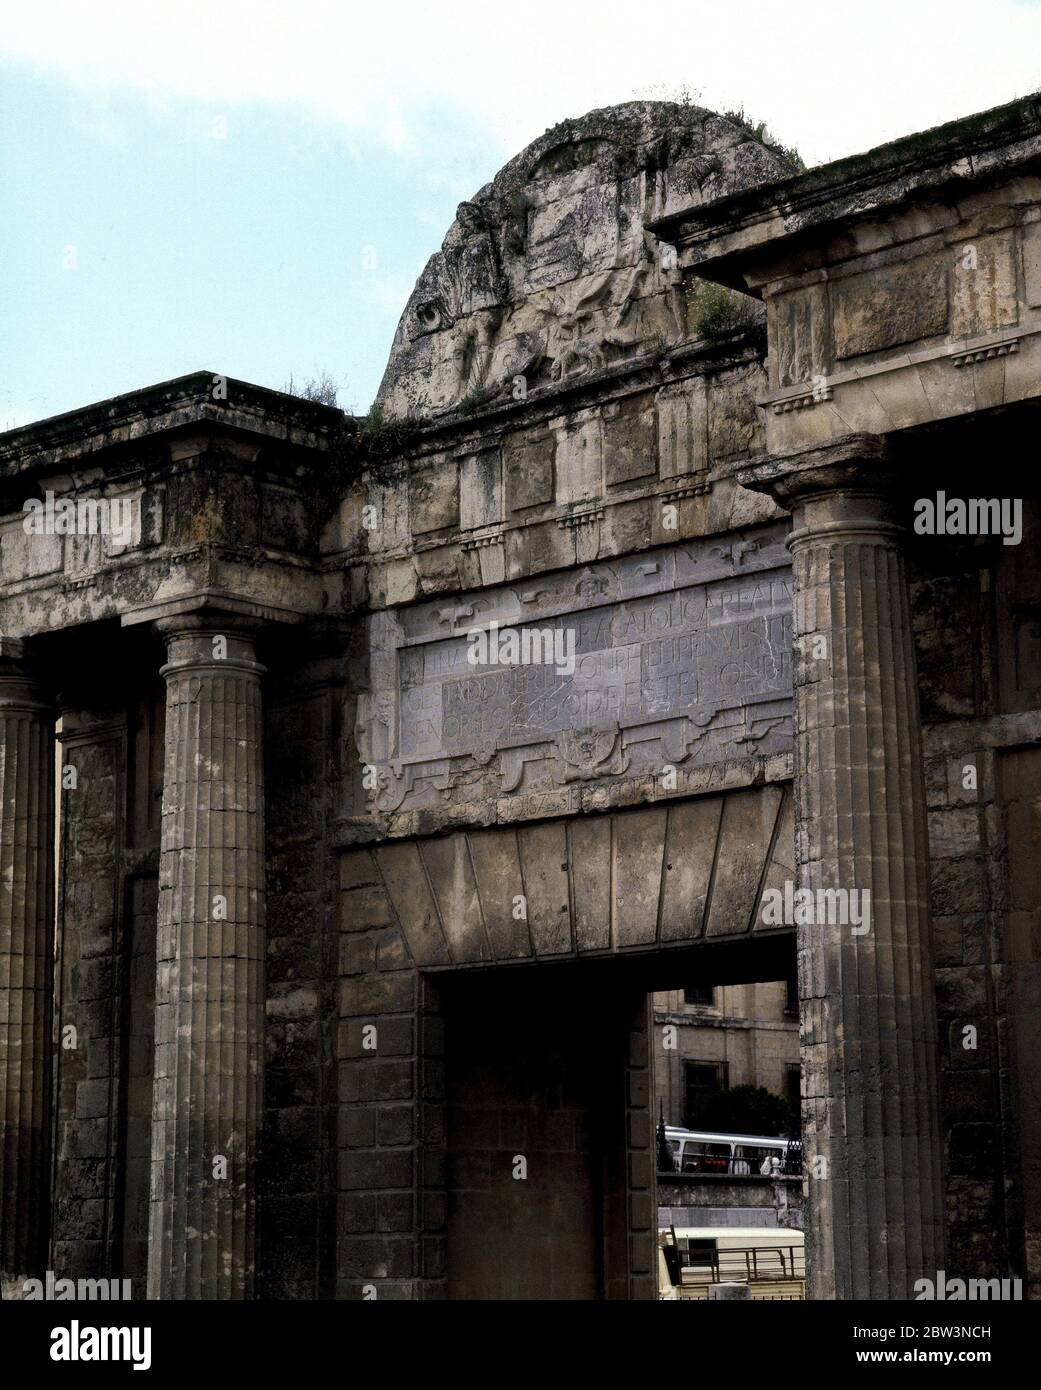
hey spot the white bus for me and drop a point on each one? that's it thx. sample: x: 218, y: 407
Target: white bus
x: 696, y: 1151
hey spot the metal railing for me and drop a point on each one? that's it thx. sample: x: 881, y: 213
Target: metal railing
x: 751, y: 1265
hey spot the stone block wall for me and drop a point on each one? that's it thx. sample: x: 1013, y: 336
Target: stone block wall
x: 390, y: 1169
x: 85, y: 1222
x: 105, y: 986
x: 549, y: 1063
x: 397, y: 1181
x: 979, y: 663
x: 297, y: 1154
x: 551, y: 483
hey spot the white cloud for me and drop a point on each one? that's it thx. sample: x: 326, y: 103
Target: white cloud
x: 831, y: 79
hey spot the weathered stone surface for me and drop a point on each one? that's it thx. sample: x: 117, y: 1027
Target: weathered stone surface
x: 629, y: 443
x: 544, y: 873
x: 679, y: 873
x: 579, y: 463
x: 434, y: 499
x: 528, y: 461
x: 1032, y: 264
x: 690, y: 856
x: 683, y: 429
x: 590, y: 861
x: 495, y: 859
x: 547, y: 274
x: 983, y: 288
x: 746, y: 829
x: 898, y: 303
x: 799, y: 329
x: 636, y: 878
x: 734, y: 427
x: 409, y: 891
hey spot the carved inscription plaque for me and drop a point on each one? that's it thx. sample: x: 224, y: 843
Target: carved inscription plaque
x: 679, y: 656
x: 694, y: 651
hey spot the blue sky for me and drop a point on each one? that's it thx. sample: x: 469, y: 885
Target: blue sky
x: 257, y: 243
x: 252, y: 188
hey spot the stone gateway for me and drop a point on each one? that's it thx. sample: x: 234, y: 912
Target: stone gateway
x: 397, y: 762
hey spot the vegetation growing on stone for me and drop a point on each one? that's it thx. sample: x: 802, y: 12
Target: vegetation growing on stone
x: 760, y: 131
x: 474, y: 400
x: 381, y: 436
x: 713, y: 311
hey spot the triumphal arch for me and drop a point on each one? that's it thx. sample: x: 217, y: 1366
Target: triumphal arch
x: 359, y: 786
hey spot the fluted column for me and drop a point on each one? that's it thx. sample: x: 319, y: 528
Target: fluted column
x: 868, y: 1013
x: 209, y: 1015
x: 26, y: 962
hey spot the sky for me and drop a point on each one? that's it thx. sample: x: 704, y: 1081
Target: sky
x: 252, y: 188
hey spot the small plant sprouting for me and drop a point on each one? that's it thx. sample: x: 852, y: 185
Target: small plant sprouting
x: 713, y: 311
x: 761, y: 132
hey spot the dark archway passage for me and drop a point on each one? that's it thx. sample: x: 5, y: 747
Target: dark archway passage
x: 550, y: 1186
x: 527, y: 1126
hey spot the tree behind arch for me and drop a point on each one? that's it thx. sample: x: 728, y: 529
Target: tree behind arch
x: 744, y: 1110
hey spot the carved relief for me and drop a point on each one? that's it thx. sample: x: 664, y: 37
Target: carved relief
x: 549, y: 273
x: 798, y: 326
x: 585, y: 753
x: 673, y: 656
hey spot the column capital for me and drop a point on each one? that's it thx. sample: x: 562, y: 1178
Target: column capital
x: 212, y: 641
x: 11, y: 648
x: 20, y: 685
x: 851, y: 463
x: 837, y: 490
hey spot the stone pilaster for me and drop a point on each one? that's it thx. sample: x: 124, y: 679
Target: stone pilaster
x: 868, y: 1020
x: 209, y: 1014
x: 26, y: 963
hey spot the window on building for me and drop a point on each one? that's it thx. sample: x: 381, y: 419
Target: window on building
x: 792, y: 1083
x: 699, y: 994
x: 791, y: 997
x: 701, y: 1079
